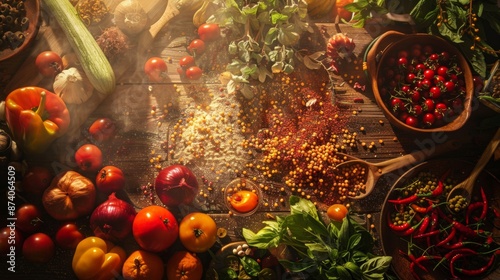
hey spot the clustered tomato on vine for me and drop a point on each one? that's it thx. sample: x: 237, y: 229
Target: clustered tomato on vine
x: 423, y: 86
x: 207, y: 33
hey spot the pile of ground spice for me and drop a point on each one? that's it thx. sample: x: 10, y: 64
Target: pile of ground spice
x: 299, y: 140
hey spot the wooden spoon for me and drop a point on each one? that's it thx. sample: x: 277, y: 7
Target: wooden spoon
x: 464, y: 188
x: 375, y: 170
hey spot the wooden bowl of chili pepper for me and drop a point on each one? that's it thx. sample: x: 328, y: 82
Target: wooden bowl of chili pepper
x: 429, y: 241
x: 20, y: 26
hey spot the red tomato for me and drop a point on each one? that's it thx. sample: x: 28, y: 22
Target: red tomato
x: 155, y: 228
x: 156, y: 69
x: 89, y: 157
x: 10, y: 241
x: 194, y: 73
x: 36, y: 180
x: 196, y: 47
x: 186, y: 62
x: 110, y: 179
x: 102, y: 129
x: 29, y: 218
x: 49, y: 63
x: 198, y: 232
x: 209, y: 32
x: 68, y: 236
x: 38, y: 248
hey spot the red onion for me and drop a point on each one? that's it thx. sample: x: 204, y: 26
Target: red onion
x: 112, y: 220
x: 176, y: 184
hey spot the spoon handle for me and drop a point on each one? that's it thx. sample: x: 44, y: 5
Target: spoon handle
x: 417, y: 156
x: 485, y: 157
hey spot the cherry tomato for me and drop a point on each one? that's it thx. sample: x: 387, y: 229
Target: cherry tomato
x: 29, y: 218
x: 403, y: 61
x: 184, y: 63
x: 337, y: 212
x: 209, y: 32
x: 397, y: 105
x: 429, y: 74
x: 110, y: 179
x: 435, y: 92
x: 196, y: 47
x: 194, y: 73
x: 429, y: 105
x: 38, y: 248
x: 155, y: 228
x: 11, y: 241
x: 102, y: 129
x: 68, y: 236
x: 49, y: 63
x: 156, y: 69
x: 442, y: 71
x: 197, y: 232
x: 411, y: 121
x: 89, y: 157
x: 36, y: 180
x: 244, y: 201
x: 428, y: 119
x: 449, y: 86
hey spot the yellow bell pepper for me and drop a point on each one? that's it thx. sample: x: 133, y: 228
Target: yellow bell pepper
x: 97, y: 259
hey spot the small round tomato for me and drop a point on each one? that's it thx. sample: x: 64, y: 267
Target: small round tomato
x: 186, y: 62
x: 442, y: 71
x: 337, y: 212
x: 194, y: 73
x: 196, y: 47
x: 244, y: 201
x: 10, y: 238
x: 435, y: 92
x: 155, y: 228
x: 156, y: 69
x: 38, y: 248
x: 68, y: 236
x: 36, y: 180
x: 49, y: 63
x: 428, y: 119
x: 429, y: 74
x: 209, y: 32
x: 110, y: 179
x: 28, y: 218
x: 197, y: 232
x: 88, y: 157
x: 102, y: 129
x: 411, y: 121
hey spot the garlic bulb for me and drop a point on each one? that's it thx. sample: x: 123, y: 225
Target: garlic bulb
x: 130, y: 17
x: 72, y: 87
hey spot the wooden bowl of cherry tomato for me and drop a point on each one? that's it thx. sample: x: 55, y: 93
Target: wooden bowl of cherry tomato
x: 421, y: 82
x: 425, y: 232
x: 21, y: 32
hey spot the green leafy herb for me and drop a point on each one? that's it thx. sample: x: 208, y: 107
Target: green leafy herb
x: 264, y: 34
x: 323, y: 251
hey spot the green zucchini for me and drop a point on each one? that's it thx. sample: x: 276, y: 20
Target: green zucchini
x: 91, y: 57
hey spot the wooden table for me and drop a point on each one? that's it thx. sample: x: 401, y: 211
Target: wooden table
x: 141, y: 134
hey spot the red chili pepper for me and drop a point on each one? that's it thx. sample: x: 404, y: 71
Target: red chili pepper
x: 485, y: 205
x: 453, y: 260
x: 402, y: 227
x: 412, y: 229
x: 406, y: 200
x: 479, y: 271
x: 438, y: 190
x: 465, y: 230
x: 448, y: 238
x: 472, y: 207
x: 427, y: 234
x: 425, y: 224
x: 419, y: 209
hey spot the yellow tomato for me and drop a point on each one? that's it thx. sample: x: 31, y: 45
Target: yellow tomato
x: 244, y: 201
x: 197, y: 232
x: 337, y: 212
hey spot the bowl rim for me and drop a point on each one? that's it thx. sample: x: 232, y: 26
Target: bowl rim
x: 249, y: 185
x: 395, y: 39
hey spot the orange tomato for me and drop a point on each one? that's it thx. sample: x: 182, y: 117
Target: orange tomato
x: 337, y: 212
x: 184, y: 265
x: 143, y: 265
x: 244, y: 201
x: 197, y: 232
x: 341, y: 12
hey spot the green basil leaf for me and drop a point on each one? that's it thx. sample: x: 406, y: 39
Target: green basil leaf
x: 299, y: 266
x: 333, y: 229
x: 288, y: 69
x: 287, y: 35
x: 354, y: 241
x: 376, y: 267
x: 277, y: 17
x: 265, y: 238
x: 343, y: 273
x: 250, y: 265
x: 300, y: 205
x: 354, y: 270
x: 345, y: 232
x: 271, y: 36
x: 359, y: 257
x: 317, y: 251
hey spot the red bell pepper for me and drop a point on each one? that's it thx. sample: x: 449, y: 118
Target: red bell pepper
x: 36, y: 117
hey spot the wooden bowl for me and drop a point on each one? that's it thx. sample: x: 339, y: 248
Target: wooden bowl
x: 388, y: 44
x: 32, y: 8
x: 392, y: 243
